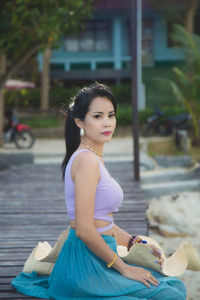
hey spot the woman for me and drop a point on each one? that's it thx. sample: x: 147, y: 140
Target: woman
x: 87, y: 266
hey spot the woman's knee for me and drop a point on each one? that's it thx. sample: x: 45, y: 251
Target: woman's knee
x: 180, y: 287
x: 170, y: 291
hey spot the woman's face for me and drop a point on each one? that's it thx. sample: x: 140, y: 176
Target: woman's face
x: 99, y: 119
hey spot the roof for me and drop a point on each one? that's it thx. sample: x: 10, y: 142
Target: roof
x: 117, y: 5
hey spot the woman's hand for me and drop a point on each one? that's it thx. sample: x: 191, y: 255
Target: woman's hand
x: 157, y: 253
x: 139, y: 274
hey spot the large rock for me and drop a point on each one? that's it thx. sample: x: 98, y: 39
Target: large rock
x: 176, y: 214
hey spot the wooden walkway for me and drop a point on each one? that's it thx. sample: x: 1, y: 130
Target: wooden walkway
x: 32, y: 209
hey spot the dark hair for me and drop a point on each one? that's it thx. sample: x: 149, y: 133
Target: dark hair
x: 78, y: 108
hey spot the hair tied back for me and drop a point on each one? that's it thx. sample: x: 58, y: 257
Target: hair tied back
x: 70, y: 110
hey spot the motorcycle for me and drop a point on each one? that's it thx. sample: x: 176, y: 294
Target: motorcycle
x: 20, y: 134
x: 180, y: 121
x: 165, y: 126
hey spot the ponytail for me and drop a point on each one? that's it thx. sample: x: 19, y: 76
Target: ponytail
x: 78, y: 108
x: 72, y: 138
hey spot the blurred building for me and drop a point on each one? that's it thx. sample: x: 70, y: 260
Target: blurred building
x: 102, y: 50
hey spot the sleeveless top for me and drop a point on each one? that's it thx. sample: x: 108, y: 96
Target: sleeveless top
x: 108, y: 197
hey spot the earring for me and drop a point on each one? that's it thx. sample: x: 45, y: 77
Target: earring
x: 82, y: 132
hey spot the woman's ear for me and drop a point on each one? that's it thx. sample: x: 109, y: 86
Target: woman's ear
x: 78, y: 122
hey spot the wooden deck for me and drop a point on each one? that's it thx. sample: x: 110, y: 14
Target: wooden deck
x: 33, y: 209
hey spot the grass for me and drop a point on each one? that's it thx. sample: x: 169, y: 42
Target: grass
x: 43, y: 122
x: 168, y: 147
x: 195, y: 153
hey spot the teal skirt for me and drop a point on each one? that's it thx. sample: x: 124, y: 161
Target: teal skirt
x: 80, y: 274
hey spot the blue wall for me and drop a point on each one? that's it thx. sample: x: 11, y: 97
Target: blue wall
x: 161, y: 50
x: 118, y: 53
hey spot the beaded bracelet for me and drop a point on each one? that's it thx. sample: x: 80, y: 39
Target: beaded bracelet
x: 112, y: 262
x: 135, y: 239
x: 132, y: 241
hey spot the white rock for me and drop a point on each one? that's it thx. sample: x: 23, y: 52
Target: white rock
x: 180, y: 212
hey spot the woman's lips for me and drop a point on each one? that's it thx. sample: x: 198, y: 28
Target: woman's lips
x: 107, y: 132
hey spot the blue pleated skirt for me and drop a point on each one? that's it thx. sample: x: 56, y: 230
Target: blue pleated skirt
x: 80, y: 274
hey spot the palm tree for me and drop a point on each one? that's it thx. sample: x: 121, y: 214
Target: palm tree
x: 186, y: 86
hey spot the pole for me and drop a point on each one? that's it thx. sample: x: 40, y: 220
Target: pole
x: 2, y: 71
x: 134, y: 84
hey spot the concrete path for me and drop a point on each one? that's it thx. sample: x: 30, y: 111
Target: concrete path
x: 53, y: 150
x: 159, y: 175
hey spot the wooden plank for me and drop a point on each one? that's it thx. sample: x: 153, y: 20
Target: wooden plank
x: 11, y: 271
x: 14, y: 295
x: 11, y: 263
x: 5, y: 280
x: 6, y: 287
x: 8, y: 257
x: 37, y: 212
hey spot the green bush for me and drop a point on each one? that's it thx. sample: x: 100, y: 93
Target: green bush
x: 42, y: 121
x: 144, y: 114
x: 25, y: 98
x: 156, y: 96
x: 124, y: 117
x: 61, y: 95
x: 122, y: 93
x: 30, y: 98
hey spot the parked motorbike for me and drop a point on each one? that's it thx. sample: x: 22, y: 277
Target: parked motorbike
x: 20, y: 134
x: 180, y: 121
x: 165, y: 126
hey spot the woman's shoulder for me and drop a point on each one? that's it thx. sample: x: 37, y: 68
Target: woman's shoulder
x: 86, y: 158
x: 86, y: 165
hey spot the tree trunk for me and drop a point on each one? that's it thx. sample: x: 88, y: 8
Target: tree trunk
x: 190, y: 13
x: 2, y: 71
x: 22, y: 59
x: 44, y: 105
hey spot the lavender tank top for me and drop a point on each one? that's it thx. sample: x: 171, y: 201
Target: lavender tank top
x: 109, y: 194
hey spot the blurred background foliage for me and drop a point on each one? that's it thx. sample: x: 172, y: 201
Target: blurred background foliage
x: 157, y: 95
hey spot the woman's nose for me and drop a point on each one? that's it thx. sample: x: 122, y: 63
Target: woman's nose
x: 107, y: 124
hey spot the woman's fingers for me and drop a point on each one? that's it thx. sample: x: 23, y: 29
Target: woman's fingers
x: 150, y: 279
x: 153, y: 280
x: 145, y: 282
x: 156, y: 251
x: 142, y: 275
x: 161, y: 262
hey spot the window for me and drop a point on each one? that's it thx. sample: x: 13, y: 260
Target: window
x: 56, y: 67
x: 147, y: 41
x: 95, y: 37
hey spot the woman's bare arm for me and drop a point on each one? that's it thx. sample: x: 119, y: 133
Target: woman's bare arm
x: 123, y: 239
x: 122, y: 236
x: 87, y: 175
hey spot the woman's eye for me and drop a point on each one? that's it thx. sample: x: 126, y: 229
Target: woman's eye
x: 96, y: 116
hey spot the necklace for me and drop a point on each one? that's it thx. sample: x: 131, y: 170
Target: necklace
x: 93, y: 150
